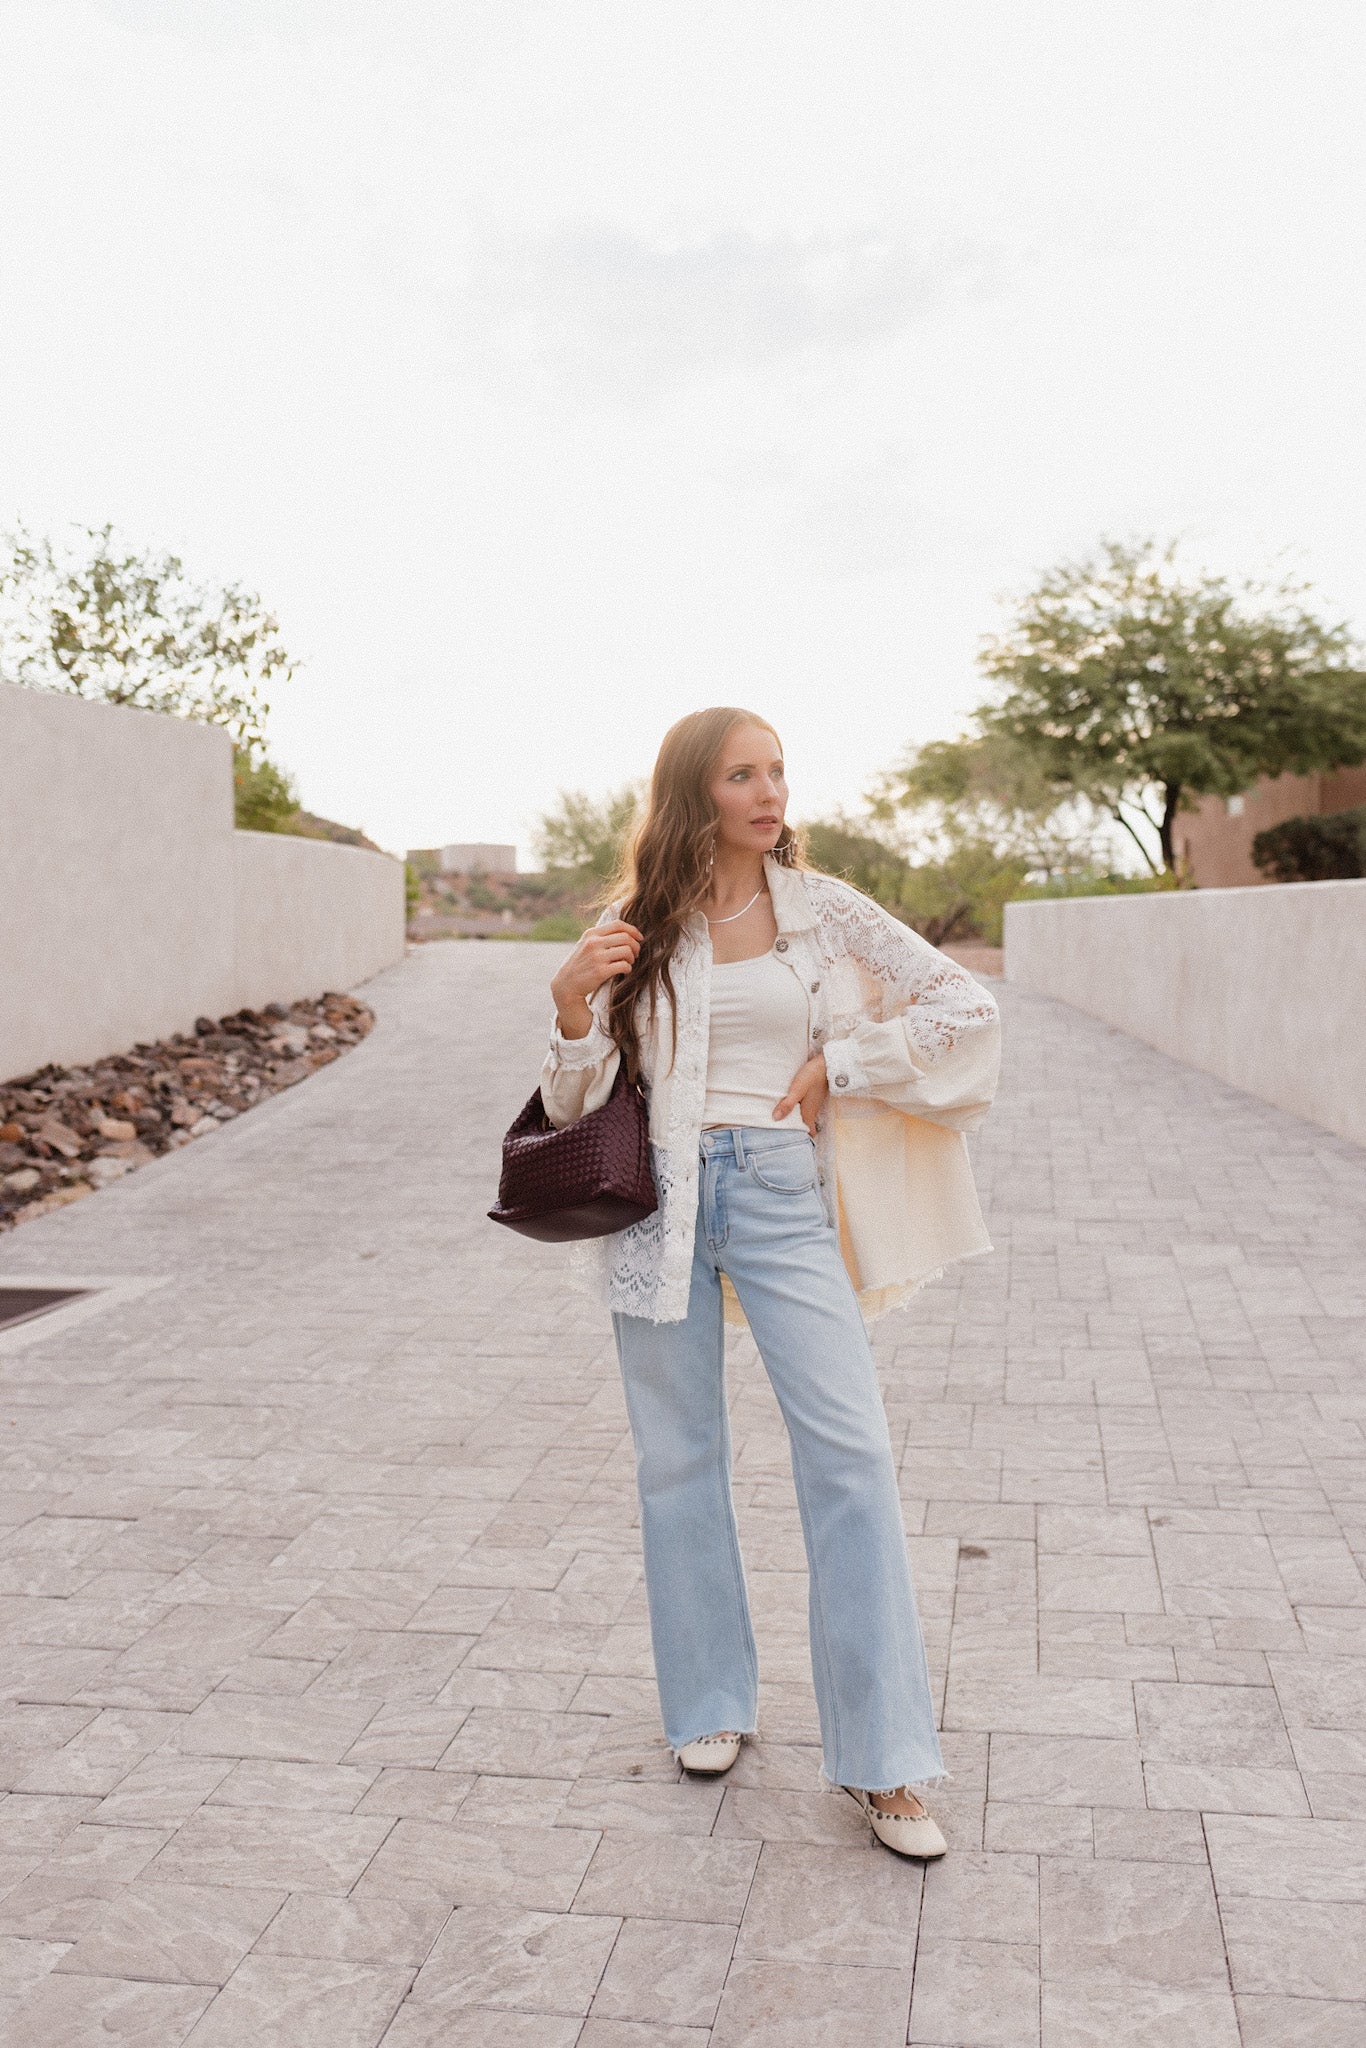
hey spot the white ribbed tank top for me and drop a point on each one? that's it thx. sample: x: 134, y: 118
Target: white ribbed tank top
x: 759, y: 1025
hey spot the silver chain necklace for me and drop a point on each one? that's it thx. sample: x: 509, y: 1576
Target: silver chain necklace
x: 738, y: 913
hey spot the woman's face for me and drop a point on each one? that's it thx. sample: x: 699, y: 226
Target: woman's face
x: 749, y: 789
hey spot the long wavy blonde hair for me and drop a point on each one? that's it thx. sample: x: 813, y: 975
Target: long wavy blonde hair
x: 666, y: 869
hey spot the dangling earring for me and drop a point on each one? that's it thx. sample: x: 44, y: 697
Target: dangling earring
x: 711, y: 856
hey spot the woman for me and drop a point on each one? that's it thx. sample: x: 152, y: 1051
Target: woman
x: 810, y: 1066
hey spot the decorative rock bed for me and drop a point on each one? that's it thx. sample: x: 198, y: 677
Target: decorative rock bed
x: 66, y: 1131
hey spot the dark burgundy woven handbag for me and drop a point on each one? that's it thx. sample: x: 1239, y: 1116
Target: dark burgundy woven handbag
x: 584, y: 1181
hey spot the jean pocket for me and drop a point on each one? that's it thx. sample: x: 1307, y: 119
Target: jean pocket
x: 785, y: 1169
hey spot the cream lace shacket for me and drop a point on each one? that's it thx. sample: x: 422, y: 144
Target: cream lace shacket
x: 912, y: 1051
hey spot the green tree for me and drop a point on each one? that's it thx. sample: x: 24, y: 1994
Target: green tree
x: 98, y: 619
x: 843, y: 846
x: 264, y: 797
x: 586, y: 833
x: 955, y: 799
x: 955, y: 890
x: 1139, y: 689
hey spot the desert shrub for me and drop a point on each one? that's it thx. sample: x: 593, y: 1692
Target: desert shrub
x: 956, y: 894
x: 264, y: 797
x: 564, y: 925
x: 1096, y: 885
x: 1331, y: 848
x: 839, y: 848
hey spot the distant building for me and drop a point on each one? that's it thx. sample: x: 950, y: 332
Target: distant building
x: 1215, y: 840
x: 464, y: 860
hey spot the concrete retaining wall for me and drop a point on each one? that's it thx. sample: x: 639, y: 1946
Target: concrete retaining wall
x: 128, y: 904
x: 308, y: 915
x: 1265, y: 987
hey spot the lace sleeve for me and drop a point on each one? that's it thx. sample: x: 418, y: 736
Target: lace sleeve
x: 578, y: 1072
x: 929, y: 1042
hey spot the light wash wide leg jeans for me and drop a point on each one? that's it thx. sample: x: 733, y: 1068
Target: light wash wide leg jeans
x: 761, y: 1220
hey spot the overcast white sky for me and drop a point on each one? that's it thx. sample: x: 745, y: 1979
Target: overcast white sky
x: 556, y: 366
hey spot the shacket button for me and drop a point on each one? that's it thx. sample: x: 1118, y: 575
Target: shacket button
x: 780, y: 946
x: 814, y: 986
x: 841, y: 1080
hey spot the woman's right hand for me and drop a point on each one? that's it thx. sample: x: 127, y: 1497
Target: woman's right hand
x: 604, y: 951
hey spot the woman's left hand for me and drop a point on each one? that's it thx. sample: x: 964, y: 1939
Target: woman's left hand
x: 807, y: 1089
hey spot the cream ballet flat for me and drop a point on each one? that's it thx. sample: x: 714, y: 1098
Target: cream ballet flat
x: 710, y: 1754
x: 908, y: 1834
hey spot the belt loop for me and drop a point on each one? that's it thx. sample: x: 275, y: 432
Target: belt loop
x: 739, y: 1145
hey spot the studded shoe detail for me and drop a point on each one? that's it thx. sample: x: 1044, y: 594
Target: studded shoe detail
x: 710, y: 1754
x: 908, y: 1834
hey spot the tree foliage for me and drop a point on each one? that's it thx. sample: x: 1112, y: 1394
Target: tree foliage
x: 987, y: 791
x: 955, y: 892
x: 98, y: 619
x: 587, y: 833
x: 842, y: 846
x: 1126, y: 683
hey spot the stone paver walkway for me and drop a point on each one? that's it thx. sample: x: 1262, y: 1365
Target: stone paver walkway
x: 329, y: 1717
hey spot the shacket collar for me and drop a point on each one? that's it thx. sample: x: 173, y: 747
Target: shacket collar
x: 792, y: 906
x: 793, y: 910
